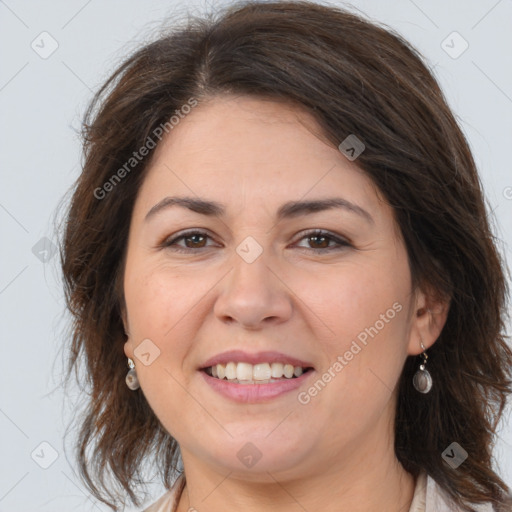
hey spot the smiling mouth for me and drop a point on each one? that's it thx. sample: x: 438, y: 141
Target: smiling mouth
x: 262, y: 373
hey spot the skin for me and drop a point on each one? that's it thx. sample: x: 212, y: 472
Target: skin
x: 336, y: 452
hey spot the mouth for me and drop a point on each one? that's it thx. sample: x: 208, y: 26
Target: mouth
x: 250, y: 378
x: 260, y: 373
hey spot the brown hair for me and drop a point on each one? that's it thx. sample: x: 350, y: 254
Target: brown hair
x: 354, y: 77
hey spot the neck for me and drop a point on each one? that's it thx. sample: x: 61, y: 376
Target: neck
x: 368, y: 479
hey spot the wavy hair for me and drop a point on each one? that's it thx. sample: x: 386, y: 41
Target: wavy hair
x: 354, y: 77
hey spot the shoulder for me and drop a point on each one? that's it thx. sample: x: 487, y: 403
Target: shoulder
x: 437, y: 500
x: 169, y: 501
x: 428, y: 497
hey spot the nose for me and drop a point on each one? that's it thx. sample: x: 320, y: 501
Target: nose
x: 253, y: 295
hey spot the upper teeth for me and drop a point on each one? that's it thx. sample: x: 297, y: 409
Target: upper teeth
x: 260, y: 371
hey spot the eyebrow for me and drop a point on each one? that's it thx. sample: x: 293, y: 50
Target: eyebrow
x: 288, y: 210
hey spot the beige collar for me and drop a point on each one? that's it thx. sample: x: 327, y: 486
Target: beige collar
x: 428, y: 497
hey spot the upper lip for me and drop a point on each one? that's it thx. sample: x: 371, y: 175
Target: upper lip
x: 259, y: 357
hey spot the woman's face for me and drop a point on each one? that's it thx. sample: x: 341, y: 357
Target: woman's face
x: 256, y: 279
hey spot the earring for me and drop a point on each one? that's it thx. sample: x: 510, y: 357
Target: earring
x: 422, y: 380
x: 131, y: 377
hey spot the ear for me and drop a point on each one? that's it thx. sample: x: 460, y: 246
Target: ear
x: 128, y: 349
x: 429, y: 315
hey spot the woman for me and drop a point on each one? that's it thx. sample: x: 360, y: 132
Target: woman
x: 283, y: 277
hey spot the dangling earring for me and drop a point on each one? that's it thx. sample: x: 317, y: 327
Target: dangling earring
x: 422, y: 380
x: 131, y: 377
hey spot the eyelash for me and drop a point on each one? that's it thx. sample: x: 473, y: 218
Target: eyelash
x: 170, y: 243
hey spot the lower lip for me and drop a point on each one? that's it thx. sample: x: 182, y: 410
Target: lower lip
x: 254, y: 393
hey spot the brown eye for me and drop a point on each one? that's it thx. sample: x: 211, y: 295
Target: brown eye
x: 320, y: 241
x: 196, y: 241
x: 192, y: 240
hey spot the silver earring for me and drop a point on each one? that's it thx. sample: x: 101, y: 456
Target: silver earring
x: 131, y: 377
x: 422, y: 380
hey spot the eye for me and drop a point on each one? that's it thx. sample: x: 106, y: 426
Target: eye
x: 192, y: 239
x: 198, y: 240
x: 322, y: 239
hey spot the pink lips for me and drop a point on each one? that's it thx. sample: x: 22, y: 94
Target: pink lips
x: 239, y: 356
x: 253, y: 393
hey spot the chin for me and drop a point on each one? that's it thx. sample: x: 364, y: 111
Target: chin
x: 255, y: 455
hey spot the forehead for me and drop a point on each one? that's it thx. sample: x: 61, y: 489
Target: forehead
x: 241, y: 149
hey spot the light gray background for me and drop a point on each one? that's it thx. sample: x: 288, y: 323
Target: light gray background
x: 42, y: 101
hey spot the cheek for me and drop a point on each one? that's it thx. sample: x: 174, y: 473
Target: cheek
x: 350, y: 301
x: 365, y: 315
x: 157, y: 298
x: 159, y: 304
x: 165, y: 305
x: 155, y: 304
